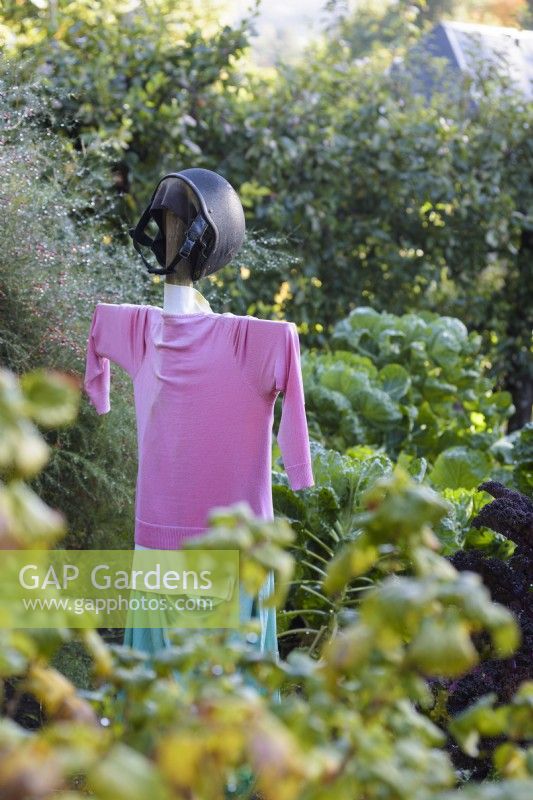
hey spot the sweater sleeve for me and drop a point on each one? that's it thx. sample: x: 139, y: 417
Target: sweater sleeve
x: 293, y: 436
x: 116, y: 334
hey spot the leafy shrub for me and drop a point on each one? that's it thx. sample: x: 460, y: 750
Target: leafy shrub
x: 356, y: 723
x: 123, y: 79
x: 398, y: 202
x: 53, y: 270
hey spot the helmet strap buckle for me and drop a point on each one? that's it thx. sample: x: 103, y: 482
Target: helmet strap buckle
x: 196, y: 230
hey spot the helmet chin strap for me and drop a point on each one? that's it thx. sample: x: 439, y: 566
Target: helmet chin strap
x: 195, y: 231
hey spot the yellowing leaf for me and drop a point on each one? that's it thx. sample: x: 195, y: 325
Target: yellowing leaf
x: 442, y: 647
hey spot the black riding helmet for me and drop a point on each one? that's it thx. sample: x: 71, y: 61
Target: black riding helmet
x: 215, y: 224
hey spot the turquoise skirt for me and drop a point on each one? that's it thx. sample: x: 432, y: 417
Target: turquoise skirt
x: 150, y: 640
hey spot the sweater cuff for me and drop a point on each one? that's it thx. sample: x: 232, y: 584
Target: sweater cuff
x: 300, y: 476
x: 101, y: 404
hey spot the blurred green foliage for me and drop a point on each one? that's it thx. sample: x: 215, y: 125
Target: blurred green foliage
x: 358, y: 725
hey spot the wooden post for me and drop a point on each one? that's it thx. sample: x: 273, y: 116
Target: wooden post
x: 174, y: 229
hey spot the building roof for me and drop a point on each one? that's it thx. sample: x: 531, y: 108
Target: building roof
x: 463, y: 43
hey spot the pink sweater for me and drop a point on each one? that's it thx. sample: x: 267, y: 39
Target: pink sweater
x: 204, y: 388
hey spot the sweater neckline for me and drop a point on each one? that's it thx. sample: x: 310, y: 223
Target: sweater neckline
x: 171, y: 315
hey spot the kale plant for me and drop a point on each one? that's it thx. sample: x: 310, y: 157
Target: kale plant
x: 509, y: 581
